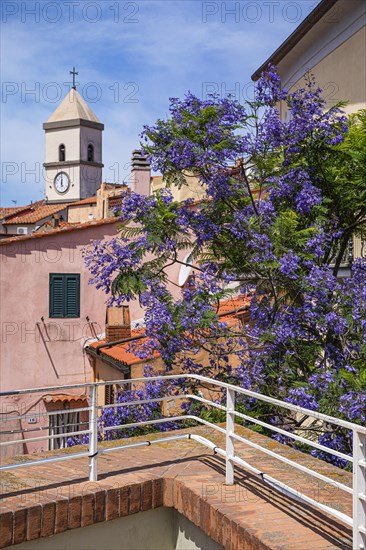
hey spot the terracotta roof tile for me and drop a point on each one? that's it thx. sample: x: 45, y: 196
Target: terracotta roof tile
x: 36, y: 212
x: 63, y: 398
x: 235, y: 303
x: 88, y: 200
x: 23, y: 210
x: 10, y: 211
x: 119, y: 352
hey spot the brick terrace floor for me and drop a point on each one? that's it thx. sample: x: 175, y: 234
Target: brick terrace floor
x: 48, y: 499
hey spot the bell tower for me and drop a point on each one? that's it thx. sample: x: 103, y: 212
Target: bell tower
x: 73, y: 151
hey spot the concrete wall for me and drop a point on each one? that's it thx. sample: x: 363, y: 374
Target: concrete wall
x: 73, y: 192
x: 159, y: 529
x: 192, y: 190
x: 334, y: 51
x: 90, y: 180
x: 70, y: 137
x: 85, y: 179
x: 342, y: 75
x: 93, y: 136
x: 81, y: 213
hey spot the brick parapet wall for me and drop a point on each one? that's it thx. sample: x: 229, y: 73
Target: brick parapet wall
x: 183, y: 476
x: 106, y: 504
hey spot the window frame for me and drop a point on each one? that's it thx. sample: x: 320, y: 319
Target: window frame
x: 90, y: 148
x: 62, y: 423
x: 65, y: 313
x: 62, y: 152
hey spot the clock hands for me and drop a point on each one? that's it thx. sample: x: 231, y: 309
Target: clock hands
x: 62, y: 183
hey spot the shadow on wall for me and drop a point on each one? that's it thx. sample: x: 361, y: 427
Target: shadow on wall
x: 162, y: 528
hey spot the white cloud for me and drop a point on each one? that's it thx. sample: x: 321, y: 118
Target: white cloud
x: 168, y: 51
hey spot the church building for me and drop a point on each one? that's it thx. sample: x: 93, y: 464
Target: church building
x: 73, y: 151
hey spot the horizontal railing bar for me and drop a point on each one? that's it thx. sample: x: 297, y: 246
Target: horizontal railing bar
x: 44, y: 461
x: 241, y: 415
x: 38, y: 429
x: 143, y: 401
x: 162, y: 420
x: 208, y: 443
x: 249, y: 393
x: 274, y: 428
x: 47, y: 389
x: 362, y: 463
x: 203, y: 400
x: 293, y: 464
x: 144, y: 423
x: 283, y: 488
x: 117, y: 448
x: 121, y: 382
x: 143, y: 443
x: 36, y: 415
x: 273, y: 401
x: 294, y: 436
x: 43, y: 437
x: 149, y: 442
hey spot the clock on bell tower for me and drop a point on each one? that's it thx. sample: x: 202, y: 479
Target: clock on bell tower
x: 73, y: 152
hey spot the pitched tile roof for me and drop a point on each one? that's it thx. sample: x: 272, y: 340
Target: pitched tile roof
x: 119, y: 352
x: 229, y: 311
x: 10, y: 211
x: 64, y: 398
x: 35, y: 213
x: 234, y: 305
x: 65, y: 228
x: 88, y: 200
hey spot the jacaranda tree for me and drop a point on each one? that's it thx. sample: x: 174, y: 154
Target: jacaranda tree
x: 282, y: 202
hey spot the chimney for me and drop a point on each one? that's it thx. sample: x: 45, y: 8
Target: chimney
x: 140, y: 173
x: 117, y: 323
x: 55, y: 221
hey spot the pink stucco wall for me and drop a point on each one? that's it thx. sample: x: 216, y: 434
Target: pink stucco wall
x: 27, y: 359
x: 46, y: 353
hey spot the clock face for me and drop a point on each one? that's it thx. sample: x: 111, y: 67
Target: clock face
x: 62, y: 182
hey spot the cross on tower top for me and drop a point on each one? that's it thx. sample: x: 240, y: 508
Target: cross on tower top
x: 74, y: 73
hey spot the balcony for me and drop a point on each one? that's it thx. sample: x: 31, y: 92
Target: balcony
x: 237, y: 487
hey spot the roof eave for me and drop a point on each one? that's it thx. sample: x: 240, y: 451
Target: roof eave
x: 119, y: 365
x: 296, y: 36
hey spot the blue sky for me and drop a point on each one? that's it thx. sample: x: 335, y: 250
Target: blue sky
x: 131, y: 57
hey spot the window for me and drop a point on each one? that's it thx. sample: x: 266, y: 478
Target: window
x: 62, y: 153
x: 62, y: 423
x: 109, y: 394
x: 64, y: 295
x: 90, y: 153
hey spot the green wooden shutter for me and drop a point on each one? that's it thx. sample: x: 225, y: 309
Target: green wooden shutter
x: 64, y: 295
x: 72, y: 298
x: 56, y: 295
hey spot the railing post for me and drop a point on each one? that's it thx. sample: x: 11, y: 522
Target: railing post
x: 359, y: 490
x: 93, y: 436
x: 230, y: 418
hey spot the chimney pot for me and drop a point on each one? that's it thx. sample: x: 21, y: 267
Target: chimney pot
x: 55, y: 221
x: 140, y: 173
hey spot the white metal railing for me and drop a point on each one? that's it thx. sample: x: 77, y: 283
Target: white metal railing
x: 358, y: 519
